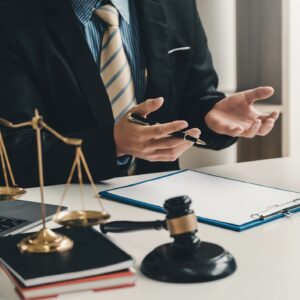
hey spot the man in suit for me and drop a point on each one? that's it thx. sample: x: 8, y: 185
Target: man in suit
x: 84, y: 64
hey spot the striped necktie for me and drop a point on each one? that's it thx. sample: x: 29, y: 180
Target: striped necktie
x: 114, y: 68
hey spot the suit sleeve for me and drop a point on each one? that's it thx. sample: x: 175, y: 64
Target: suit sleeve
x: 19, y: 96
x: 202, y: 92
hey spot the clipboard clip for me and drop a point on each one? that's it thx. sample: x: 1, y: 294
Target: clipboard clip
x: 285, y: 209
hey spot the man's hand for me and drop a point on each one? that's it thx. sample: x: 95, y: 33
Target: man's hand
x: 236, y: 116
x: 151, y: 143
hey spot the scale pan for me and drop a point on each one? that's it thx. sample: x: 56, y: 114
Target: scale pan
x: 10, y: 193
x: 81, y: 218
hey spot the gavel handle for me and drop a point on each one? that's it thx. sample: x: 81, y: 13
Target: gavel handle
x: 128, y: 226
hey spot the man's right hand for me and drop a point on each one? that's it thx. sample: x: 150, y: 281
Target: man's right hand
x: 151, y: 143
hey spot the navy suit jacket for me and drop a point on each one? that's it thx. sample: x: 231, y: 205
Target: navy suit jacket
x: 45, y: 63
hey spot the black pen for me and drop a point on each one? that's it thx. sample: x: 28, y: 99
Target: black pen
x: 137, y: 119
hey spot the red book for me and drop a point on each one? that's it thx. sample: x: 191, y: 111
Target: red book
x: 125, y: 278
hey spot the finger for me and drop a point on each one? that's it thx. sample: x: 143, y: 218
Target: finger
x: 166, y: 143
x: 266, y: 127
x: 258, y: 94
x: 253, y: 130
x: 236, y: 132
x: 148, y: 106
x: 163, y: 130
x: 173, y: 142
x: 227, y: 127
x: 233, y: 130
x: 194, y: 132
x: 172, y: 153
x: 274, y: 115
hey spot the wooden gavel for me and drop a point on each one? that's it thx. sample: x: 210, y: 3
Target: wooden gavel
x: 186, y: 259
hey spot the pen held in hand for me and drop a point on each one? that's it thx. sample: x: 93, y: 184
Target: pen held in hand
x: 137, y: 119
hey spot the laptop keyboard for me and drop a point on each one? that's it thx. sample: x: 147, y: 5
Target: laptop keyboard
x: 8, y: 223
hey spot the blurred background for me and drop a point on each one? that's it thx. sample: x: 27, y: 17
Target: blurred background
x: 255, y: 43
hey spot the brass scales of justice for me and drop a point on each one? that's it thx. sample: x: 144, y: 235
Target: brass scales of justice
x: 46, y: 240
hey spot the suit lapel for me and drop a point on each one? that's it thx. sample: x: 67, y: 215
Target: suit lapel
x: 154, y: 35
x: 63, y: 23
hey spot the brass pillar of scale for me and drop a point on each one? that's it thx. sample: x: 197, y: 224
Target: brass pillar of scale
x: 46, y: 240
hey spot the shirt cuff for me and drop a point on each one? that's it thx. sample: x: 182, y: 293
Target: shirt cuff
x: 123, y: 161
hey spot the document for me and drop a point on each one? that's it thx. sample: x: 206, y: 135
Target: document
x: 215, y: 200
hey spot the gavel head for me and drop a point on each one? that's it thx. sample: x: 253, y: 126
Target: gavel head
x: 182, y: 222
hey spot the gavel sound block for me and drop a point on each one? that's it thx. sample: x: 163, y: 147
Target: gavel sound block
x: 186, y: 259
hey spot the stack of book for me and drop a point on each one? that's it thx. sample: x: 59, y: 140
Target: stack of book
x: 95, y: 263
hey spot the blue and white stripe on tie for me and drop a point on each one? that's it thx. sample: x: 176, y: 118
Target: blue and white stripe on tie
x: 94, y: 30
x: 114, y: 68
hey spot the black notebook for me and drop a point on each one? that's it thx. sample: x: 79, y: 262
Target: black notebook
x: 92, y: 254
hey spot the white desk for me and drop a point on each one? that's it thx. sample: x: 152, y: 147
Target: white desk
x: 268, y: 256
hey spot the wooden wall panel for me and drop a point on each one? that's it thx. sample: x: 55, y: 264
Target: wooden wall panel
x: 259, y: 45
x: 259, y: 62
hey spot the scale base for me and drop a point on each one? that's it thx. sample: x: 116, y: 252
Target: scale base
x: 45, y: 241
x: 11, y: 193
x: 207, y: 262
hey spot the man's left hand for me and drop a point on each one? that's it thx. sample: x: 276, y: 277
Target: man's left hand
x: 236, y: 116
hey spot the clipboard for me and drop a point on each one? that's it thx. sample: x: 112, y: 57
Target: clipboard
x: 218, y: 201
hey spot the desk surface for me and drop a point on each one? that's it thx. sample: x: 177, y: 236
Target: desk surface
x: 268, y: 257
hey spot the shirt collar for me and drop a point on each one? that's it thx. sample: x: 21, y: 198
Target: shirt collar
x: 123, y: 7
x: 84, y: 9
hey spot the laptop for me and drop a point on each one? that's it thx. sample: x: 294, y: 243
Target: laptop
x: 18, y: 216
